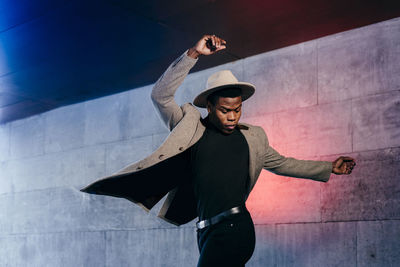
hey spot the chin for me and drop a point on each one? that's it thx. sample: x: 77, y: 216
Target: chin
x: 227, y: 131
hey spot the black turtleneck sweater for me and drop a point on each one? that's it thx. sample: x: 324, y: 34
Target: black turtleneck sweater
x: 220, y: 169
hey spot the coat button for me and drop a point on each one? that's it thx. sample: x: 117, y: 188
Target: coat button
x: 181, y: 148
x: 161, y: 156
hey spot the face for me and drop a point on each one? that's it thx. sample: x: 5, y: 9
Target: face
x: 226, y: 113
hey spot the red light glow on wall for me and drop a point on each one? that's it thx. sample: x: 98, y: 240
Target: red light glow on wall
x: 305, y: 133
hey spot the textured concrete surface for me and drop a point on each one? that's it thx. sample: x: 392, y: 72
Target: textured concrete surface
x: 5, y: 178
x: 122, y: 116
x: 276, y: 199
x: 69, y: 168
x: 4, y: 142
x: 306, y: 132
x: 106, y: 118
x: 310, y: 244
x: 27, y: 137
x: 120, y: 154
x: 158, y: 139
x: 67, y: 209
x: 338, y: 95
x: 65, y: 128
x: 315, y: 245
x: 371, y: 192
x: 53, y: 249
x: 142, y: 120
x: 284, y: 79
x: 360, y: 62
x: 376, y: 121
x: 265, y: 250
x: 378, y: 243
x: 5, y: 222
x: 175, y: 247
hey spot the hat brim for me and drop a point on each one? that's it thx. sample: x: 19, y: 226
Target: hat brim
x: 247, y: 91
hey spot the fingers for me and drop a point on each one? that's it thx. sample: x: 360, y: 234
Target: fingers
x: 214, y: 43
x: 350, y: 163
x: 221, y: 45
x: 349, y: 166
x: 347, y: 158
x: 344, y: 165
x: 338, y: 162
x: 219, y: 42
x: 213, y: 40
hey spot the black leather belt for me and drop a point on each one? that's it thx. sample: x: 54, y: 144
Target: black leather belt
x: 219, y: 217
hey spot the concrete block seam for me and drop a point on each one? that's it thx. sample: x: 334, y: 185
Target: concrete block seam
x: 356, y: 226
x: 317, y: 69
x: 351, y: 126
x: 356, y: 98
x: 298, y: 109
x: 80, y: 147
x: 324, y: 222
x: 334, y: 155
x: 183, y: 227
x: 377, y: 220
x: 98, y: 231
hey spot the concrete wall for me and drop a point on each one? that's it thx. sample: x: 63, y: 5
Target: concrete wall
x: 316, y: 100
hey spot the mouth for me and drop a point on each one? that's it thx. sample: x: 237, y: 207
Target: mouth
x: 230, y: 127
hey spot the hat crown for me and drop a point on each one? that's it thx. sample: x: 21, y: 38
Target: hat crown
x: 221, y: 78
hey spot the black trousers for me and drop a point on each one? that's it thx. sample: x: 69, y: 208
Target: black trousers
x: 228, y: 243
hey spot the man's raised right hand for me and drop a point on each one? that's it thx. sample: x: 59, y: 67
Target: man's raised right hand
x: 201, y: 47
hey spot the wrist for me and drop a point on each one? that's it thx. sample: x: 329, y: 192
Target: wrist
x: 192, y: 52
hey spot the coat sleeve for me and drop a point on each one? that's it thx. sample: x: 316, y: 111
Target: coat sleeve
x: 286, y: 166
x: 164, y: 90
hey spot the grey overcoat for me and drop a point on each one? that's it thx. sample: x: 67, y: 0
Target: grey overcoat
x: 167, y: 170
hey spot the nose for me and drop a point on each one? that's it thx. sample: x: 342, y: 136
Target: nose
x: 231, y: 116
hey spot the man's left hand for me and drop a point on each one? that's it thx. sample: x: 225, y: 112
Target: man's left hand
x: 343, y: 165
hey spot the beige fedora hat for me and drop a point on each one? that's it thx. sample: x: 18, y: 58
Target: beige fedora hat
x: 220, y: 80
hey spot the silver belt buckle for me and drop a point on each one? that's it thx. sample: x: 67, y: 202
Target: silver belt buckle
x: 200, y: 225
x: 235, y: 210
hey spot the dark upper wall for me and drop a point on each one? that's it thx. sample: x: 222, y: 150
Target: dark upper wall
x: 58, y: 52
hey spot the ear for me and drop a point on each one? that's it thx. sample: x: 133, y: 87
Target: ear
x: 209, y: 106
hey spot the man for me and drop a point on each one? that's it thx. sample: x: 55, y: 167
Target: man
x: 209, y: 166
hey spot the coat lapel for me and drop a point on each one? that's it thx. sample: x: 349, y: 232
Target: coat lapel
x: 253, y: 143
